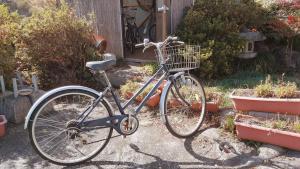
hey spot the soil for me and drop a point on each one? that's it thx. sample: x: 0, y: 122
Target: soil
x: 280, y: 124
x: 251, y: 93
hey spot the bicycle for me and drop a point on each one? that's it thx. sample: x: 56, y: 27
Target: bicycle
x: 72, y: 124
x: 135, y: 33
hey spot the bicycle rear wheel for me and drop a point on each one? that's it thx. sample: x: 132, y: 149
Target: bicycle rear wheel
x: 184, y: 104
x: 54, y: 132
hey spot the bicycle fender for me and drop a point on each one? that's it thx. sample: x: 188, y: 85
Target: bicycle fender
x: 164, y: 95
x: 51, y: 92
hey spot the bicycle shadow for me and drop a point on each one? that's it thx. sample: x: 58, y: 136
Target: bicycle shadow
x: 239, y: 160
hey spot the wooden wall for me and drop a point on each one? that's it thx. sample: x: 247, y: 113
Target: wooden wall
x: 107, y: 20
x: 177, y: 7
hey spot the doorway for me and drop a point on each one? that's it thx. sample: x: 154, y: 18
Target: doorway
x: 138, y: 22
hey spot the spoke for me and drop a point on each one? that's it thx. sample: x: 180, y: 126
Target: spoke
x: 52, y: 138
x: 52, y: 121
x: 51, y: 126
x: 56, y: 145
x: 43, y: 136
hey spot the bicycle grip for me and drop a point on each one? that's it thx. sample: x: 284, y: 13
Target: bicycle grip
x: 139, y: 45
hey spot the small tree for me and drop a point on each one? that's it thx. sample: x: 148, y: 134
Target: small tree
x: 8, y: 34
x: 215, y: 25
x: 56, y: 44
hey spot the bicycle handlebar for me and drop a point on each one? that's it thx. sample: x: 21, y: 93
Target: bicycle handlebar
x: 148, y: 44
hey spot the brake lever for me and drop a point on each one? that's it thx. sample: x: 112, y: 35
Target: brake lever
x: 146, y: 47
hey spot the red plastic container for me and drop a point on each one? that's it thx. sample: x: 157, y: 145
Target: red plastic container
x: 3, y: 122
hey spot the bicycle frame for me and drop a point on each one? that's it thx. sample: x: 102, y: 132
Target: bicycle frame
x: 121, y: 108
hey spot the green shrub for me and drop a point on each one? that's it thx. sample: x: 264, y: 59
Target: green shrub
x: 281, y: 89
x: 56, y: 44
x: 150, y: 68
x: 296, y: 127
x: 215, y: 25
x: 8, y: 33
x: 129, y: 87
x: 286, y: 90
x: 264, y: 62
x: 264, y: 89
x: 229, y: 123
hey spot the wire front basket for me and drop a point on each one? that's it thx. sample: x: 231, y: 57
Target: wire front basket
x: 180, y: 58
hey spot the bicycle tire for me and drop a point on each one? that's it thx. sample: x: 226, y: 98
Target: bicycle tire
x: 144, y: 7
x: 43, y: 104
x: 169, y: 120
x: 152, y: 33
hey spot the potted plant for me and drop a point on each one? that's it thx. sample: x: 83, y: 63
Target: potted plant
x: 213, y: 100
x: 279, y: 131
x: 128, y: 89
x: 3, y: 122
x: 153, y: 100
x: 281, y: 97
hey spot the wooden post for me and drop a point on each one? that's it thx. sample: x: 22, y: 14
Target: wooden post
x: 164, y: 10
x: 34, y: 82
x: 15, y: 87
x: 2, y: 85
x: 164, y: 20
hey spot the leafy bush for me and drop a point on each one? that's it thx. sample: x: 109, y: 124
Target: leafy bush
x: 215, y: 25
x: 56, y: 44
x: 264, y: 62
x: 8, y: 33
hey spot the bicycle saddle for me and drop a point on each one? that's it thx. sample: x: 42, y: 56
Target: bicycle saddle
x: 101, y: 65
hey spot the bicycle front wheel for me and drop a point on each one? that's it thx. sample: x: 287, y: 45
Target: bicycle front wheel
x: 184, y: 106
x: 54, y: 132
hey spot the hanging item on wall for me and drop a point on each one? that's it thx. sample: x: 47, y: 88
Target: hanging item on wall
x: 100, y: 43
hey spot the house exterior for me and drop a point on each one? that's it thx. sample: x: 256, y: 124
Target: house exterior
x: 109, y: 22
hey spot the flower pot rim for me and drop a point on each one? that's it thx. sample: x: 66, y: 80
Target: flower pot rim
x: 237, y: 123
x: 233, y: 96
x: 4, y: 120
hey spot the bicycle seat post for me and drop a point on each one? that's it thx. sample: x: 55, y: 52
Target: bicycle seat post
x: 106, y: 79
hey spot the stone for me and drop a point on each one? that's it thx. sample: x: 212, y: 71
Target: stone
x: 268, y: 151
x: 224, y: 114
x: 211, y: 133
x: 16, y: 109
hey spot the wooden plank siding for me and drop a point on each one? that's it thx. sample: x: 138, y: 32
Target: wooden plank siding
x: 108, y: 22
x: 177, y: 7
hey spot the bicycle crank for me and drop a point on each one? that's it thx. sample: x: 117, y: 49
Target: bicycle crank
x: 128, y: 125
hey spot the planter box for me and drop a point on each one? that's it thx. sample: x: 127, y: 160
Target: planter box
x: 3, y: 122
x: 152, y: 101
x: 266, y: 135
x: 212, y: 106
x: 273, y: 105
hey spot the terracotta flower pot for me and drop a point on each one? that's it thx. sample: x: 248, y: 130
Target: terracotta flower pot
x: 154, y: 100
x: 162, y: 85
x: 3, y: 122
x: 266, y: 135
x: 128, y: 95
x: 212, y: 106
x: 273, y: 105
x: 174, y: 103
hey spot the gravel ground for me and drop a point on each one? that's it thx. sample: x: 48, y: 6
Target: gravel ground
x: 152, y: 147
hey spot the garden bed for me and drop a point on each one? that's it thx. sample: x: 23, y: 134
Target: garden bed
x: 249, y: 128
x: 248, y: 102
